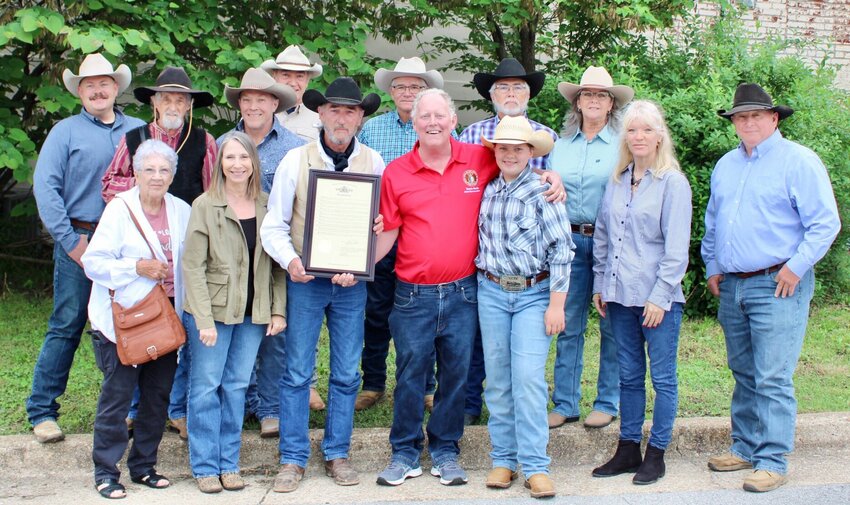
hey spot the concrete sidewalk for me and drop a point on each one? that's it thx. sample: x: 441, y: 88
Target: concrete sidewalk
x: 62, y: 473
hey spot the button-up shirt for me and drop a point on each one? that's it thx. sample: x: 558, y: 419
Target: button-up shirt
x: 640, y: 246
x: 774, y: 206
x: 67, y: 175
x: 274, y: 146
x: 585, y: 167
x: 520, y: 233
x: 472, y: 135
x: 302, y: 122
x: 388, y: 135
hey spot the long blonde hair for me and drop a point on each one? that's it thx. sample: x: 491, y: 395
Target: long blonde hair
x: 217, y: 184
x: 651, y: 114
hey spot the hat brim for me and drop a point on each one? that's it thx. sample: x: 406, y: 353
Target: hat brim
x: 314, y: 70
x: 541, y: 143
x: 121, y: 75
x: 199, y: 98
x: 782, y: 110
x: 622, y: 94
x: 384, y: 78
x: 313, y: 99
x: 285, y: 95
x: 484, y: 81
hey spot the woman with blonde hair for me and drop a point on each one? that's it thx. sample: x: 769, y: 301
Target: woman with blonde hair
x: 640, y: 250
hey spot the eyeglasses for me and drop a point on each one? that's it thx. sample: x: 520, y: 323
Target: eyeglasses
x: 413, y: 88
x: 599, y: 95
x: 516, y: 88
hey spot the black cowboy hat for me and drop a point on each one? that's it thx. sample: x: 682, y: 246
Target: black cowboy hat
x: 508, y: 68
x: 174, y: 80
x: 343, y: 91
x: 749, y: 97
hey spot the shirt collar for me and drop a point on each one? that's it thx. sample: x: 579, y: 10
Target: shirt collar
x: 764, y: 147
x: 605, y: 134
x: 118, y: 118
x: 396, y: 119
x: 510, y: 186
x: 276, y: 128
x: 457, y: 157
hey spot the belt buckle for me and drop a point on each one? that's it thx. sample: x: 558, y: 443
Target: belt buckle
x: 585, y: 229
x: 512, y: 283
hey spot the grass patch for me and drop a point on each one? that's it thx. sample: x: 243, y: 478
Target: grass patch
x: 705, y: 383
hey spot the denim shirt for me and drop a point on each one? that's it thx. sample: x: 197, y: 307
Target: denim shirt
x: 640, y: 245
x: 277, y: 142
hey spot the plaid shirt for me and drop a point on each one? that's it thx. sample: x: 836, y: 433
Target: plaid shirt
x: 520, y: 233
x: 472, y: 135
x: 389, y: 136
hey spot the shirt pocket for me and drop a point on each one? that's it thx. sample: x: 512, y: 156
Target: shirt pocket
x: 522, y: 233
x: 217, y: 287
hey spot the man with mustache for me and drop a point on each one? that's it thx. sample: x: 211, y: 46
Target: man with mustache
x: 71, y: 162
x: 312, y: 299
x: 293, y: 68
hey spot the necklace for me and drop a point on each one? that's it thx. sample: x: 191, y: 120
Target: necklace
x: 635, y: 183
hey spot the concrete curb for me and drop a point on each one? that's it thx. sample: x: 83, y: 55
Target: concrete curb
x: 370, y: 451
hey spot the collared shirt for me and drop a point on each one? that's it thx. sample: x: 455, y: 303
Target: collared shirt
x: 302, y: 122
x: 388, y: 135
x: 436, y: 214
x: 472, y: 135
x: 118, y: 177
x: 774, y: 206
x: 277, y: 142
x: 67, y: 175
x: 585, y: 167
x: 640, y: 245
x: 520, y: 233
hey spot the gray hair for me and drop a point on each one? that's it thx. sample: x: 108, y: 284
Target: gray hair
x: 153, y: 147
x: 573, y: 118
x: 433, y: 91
x: 158, y: 96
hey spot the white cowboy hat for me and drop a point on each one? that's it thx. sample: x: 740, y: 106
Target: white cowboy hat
x: 257, y: 80
x: 408, y: 67
x: 292, y: 59
x: 517, y: 130
x: 597, y: 78
x: 95, y: 64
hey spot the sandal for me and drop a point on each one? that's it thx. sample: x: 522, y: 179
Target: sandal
x: 151, y: 479
x: 112, y: 485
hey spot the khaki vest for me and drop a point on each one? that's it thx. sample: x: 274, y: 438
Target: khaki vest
x: 312, y: 159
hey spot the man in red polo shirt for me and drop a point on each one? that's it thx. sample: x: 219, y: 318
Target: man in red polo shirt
x: 430, y: 199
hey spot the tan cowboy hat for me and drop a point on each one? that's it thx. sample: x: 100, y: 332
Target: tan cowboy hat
x: 597, y: 78
x: 292, y: 59
x: 95, y: 64
x: 408, y: 67
x: 517, y: 130
x: 257, y: 80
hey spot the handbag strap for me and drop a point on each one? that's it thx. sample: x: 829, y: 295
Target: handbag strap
x: 142, y: 233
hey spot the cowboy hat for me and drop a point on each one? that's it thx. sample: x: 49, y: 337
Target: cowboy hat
x: 749, y: 97
x: 597, y: 78
x: 292, y: 59
x: 343, y: 91
x: 517, y: 130
x: 508, y: 68
x: 408, y: 67
x: 255, y: 79
x: 174, y: 80
x: 95, y: 64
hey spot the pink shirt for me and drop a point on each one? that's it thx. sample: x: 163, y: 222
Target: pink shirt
x: 159, y: 223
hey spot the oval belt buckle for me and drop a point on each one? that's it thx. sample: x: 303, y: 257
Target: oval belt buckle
x: 512, y: 283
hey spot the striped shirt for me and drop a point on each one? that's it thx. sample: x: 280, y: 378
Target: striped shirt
x: 472, y: 135
x: 520, y: 233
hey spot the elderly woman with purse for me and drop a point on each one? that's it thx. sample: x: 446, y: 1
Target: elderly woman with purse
x: 235, y: 297
x: 137, y: 247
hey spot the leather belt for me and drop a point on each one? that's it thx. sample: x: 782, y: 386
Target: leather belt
x: 583, y: 229
x: 515, y: 282
x: 84, y: 225
x: 763, y: 271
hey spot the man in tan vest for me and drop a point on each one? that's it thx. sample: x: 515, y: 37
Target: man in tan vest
x: 311, y: 299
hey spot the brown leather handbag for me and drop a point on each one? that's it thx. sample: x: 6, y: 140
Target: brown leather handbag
x: 150, y: 328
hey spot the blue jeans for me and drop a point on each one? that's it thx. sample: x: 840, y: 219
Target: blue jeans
x: 475, y: 379
x: 764, y: 336
x: 516, y: 346
x: 177, y: 399
x: 307, y: 305
x: 71, y: 290
x: 425, y: 318
x: 218, y: 379
x: 569, y: 360
x: 661, y: 344
x: 263, y: 397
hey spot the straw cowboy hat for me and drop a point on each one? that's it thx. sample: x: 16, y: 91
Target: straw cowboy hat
x: 95, y: 64
x: 174, y: 80
x: 597, y: 78
x: 292, y: 59
x: 517, y: 130
x: 257, y: 80
x: 508, y: 68
x: 749, y: 97
x: 343, y: 91
x: 408, y: 67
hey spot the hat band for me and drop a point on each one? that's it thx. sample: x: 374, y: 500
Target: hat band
x: 341, y: 100
x: 503, y: 139
x: 741, y: 104
x: 305, y: 65
x: 173, y: 86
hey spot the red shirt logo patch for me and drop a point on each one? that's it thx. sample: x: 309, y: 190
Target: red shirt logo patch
x: 470, y: 178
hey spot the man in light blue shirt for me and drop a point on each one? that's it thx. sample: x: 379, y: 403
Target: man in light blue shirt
x: 771, y: 216
x: 66, y: 185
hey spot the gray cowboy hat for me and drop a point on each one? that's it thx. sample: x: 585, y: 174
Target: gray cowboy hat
x: 174, y: 80
x: 408, y: 67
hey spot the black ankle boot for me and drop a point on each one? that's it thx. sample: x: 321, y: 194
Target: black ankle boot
x: 625, y: 460
x: 652, y: 467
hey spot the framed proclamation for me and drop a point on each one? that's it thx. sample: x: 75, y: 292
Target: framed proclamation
x: 338, y: 236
